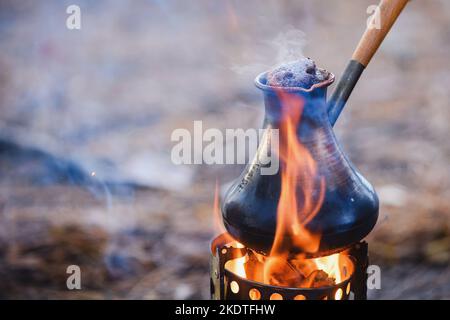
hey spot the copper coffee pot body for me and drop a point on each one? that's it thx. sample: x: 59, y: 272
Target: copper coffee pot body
x: 349, y: 209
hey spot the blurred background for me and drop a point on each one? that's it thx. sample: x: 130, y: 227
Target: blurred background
x: 86, y: 117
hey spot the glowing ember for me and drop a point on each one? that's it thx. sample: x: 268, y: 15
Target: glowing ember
x: 297, y: 272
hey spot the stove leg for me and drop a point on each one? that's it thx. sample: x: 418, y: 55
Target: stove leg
x: 359, y: 283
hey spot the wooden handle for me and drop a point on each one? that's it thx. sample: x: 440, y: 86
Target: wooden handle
x: 389, y: 10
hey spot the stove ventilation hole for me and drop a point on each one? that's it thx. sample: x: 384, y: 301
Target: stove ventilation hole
x: 276, y: 296
x: 234, y: 287
x: 338, y: 294
x: 254, y: 294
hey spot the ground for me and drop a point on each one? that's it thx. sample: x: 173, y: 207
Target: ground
x: 86, y: 118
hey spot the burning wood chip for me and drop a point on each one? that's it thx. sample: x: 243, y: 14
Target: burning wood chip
x: 285, y: 275
x: 254, y: 267
x: 295, y: 273
x: 317, y: 279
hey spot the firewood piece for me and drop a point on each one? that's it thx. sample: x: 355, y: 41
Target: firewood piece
x: 317, y: 279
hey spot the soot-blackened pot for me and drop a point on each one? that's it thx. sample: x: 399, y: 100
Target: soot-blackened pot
x: 349, y: 209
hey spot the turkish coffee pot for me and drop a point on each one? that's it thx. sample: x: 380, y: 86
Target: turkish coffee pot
x: 349, y: 205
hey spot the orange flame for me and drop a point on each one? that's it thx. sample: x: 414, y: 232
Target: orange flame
x: 298, y: 173
x: 301, y: 197
x: 236, y: 264
x: 297, y: 205
x: 218, y: 224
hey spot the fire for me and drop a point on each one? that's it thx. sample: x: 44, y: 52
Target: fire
x: 302, y: 195
x: 295, y: 209
x: 331, y: 265
x: 236, y: 264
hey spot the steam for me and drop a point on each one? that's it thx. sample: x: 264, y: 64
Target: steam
x: 286, y: 46
x: 289, y: 45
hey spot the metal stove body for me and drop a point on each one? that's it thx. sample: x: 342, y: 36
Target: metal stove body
x: 226, y: 285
